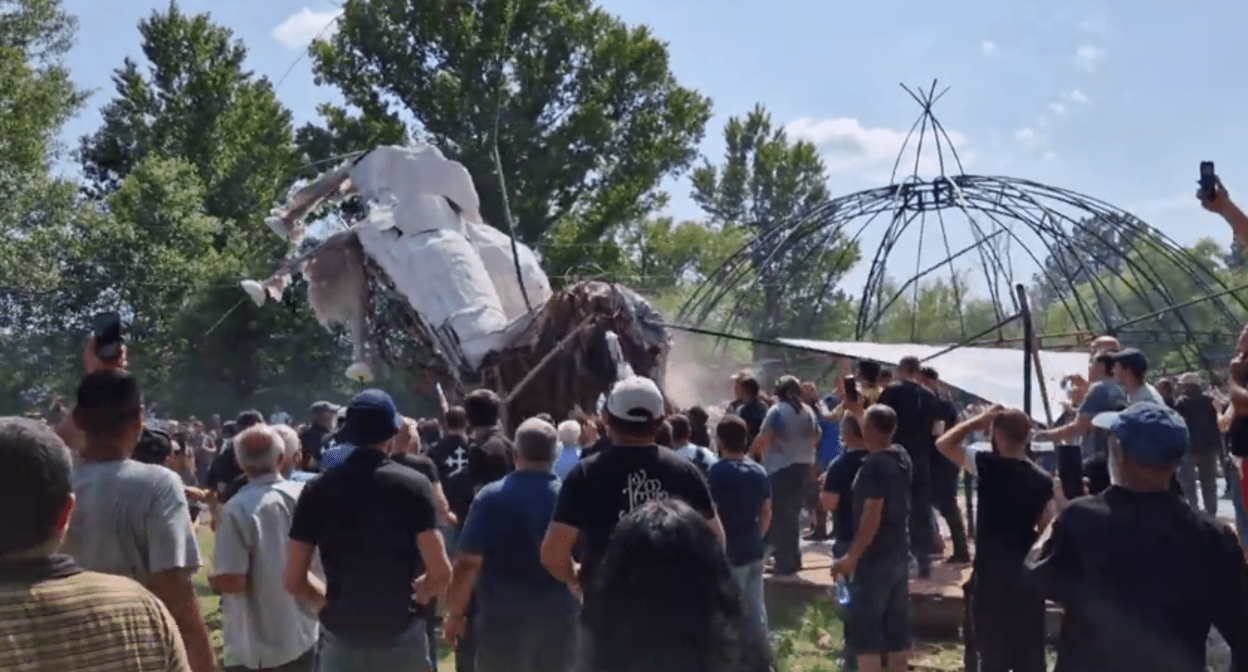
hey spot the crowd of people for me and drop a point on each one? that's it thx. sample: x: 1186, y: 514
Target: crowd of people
x: 634, y: 539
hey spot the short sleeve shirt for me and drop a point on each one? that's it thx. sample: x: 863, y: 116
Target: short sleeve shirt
x: 364, y: 517
x: 795, y: 431
x: 130, y: 519
x: 840, y: 480
x: 886, y: 475
x: 739, y: 488
x: 605, y: 487
x: 1103, y: 396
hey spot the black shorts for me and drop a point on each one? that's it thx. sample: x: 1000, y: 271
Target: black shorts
x: 879, y: 609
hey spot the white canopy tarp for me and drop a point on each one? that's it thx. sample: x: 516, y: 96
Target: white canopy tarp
x: 992, y: 374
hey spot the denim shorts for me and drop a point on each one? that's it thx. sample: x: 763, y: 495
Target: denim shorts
x: 879, y: 609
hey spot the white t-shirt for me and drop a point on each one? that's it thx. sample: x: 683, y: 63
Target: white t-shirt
x: 1146, y: 393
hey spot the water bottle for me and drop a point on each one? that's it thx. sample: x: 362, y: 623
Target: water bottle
x: 840, y: 590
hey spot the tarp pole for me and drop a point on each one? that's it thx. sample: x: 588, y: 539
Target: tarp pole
x: 1029, y: 347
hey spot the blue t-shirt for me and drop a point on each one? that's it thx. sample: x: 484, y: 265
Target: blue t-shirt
x: 505, y: 526
x: 568, y: 458
x: 829, y: 443
x: 739, y: 488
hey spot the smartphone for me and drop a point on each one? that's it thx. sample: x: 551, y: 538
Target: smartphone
x: 107, y: 330
x: 1208, y: 181
x: 851, y: 388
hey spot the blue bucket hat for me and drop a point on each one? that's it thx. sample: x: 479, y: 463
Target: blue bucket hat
x: 371, y: 419
x: 1152, y: 434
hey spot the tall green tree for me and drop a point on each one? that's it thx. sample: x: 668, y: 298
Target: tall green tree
x: 587, y: 113
x: 192, y: 153
x: 37, y: 96
x: 764, y: 184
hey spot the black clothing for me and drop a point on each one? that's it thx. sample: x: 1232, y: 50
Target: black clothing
x: 364, y: 517
x: 1007, y: 607
x: 788, y: 490
x: 1202, y: 423
x: 752, y: 411
x: 918, y: 410
x: 488, y: 460
x: 840, y: 480
x: 1142, y: 577
x: 420, y: 463
x: 450, y: 454
x: 885, y: 475
x: 602, y: 489
x: 225, y: 471
x: 312, y: 441
x: 600, y: 445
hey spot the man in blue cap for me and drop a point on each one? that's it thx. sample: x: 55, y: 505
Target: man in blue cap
x: 1143, y: 576
x: 374, y: 522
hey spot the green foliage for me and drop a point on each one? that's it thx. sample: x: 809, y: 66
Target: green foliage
x: 766, y: 182
x: 1151, y: 280
x: 936, y: 311
x: 589, y: 118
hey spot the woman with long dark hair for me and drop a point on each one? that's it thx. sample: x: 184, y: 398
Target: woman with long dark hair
x: 664, y: 599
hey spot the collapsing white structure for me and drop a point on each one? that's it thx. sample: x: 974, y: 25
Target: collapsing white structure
x: 992, y: 374
x: 425, y: 231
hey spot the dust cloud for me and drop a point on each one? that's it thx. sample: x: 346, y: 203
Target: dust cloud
x: 699, y: 372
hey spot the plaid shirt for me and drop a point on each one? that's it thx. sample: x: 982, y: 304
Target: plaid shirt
x: 55, y: 617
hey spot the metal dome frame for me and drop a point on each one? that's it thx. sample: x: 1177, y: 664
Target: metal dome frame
x: 994, y: 206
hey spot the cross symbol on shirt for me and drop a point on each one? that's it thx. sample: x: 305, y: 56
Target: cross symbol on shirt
x: 457, y: 461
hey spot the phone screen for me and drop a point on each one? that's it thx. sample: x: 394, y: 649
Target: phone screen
x: 107, y: 331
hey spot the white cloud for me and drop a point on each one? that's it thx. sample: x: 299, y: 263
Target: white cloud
x: 849, y: 147
x: 300, y: 28
x: 988, y: 48
x: 1057, y: 108
x: 1028, y: 136
x: 1076, y: 97
x: 1089, y: 57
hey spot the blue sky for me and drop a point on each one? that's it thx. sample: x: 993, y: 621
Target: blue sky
x: 1120, y: 100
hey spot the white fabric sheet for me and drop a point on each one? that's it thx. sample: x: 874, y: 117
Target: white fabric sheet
x: 494, y: 246
x: 992, y: 374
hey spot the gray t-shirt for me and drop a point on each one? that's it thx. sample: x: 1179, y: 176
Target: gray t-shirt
x: 1146, y: 393
x: 795, y: 433
x: 1103, y: 396
x: 130, y: 519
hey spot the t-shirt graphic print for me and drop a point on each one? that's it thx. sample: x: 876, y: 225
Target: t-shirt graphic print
x: 603, y: 488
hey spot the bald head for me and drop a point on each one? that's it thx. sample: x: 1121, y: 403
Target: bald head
x: 1104, y: 345
x: 259, y: 450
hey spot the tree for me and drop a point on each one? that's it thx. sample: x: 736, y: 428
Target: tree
x: 193, y: 151
x: 37, y: 97
x: 765, y: 183
x: 198, y: 102
x: 587, y: 114
x: 1093, y: 246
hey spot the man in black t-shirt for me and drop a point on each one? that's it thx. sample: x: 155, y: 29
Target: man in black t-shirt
x: 837, y: 497
x: 375, y: 526
x: 1007, y: 612
x: 1141, y: 575
x: 917, y: 414
x: 945, y: 473
x: 450, y: 453
x: 877, y: 628
x: 747, y: 405
x: 489, y: 457
x: 602, y: 489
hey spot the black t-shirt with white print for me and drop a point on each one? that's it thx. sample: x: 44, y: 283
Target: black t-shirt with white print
x: 602, y: 489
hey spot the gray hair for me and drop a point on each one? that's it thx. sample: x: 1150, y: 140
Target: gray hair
x: 569, y: 432
x: 259, y: 449
x: 290, y: 439
x: 536, y: 441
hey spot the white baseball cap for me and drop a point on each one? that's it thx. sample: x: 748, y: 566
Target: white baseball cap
x: 636, y: 399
